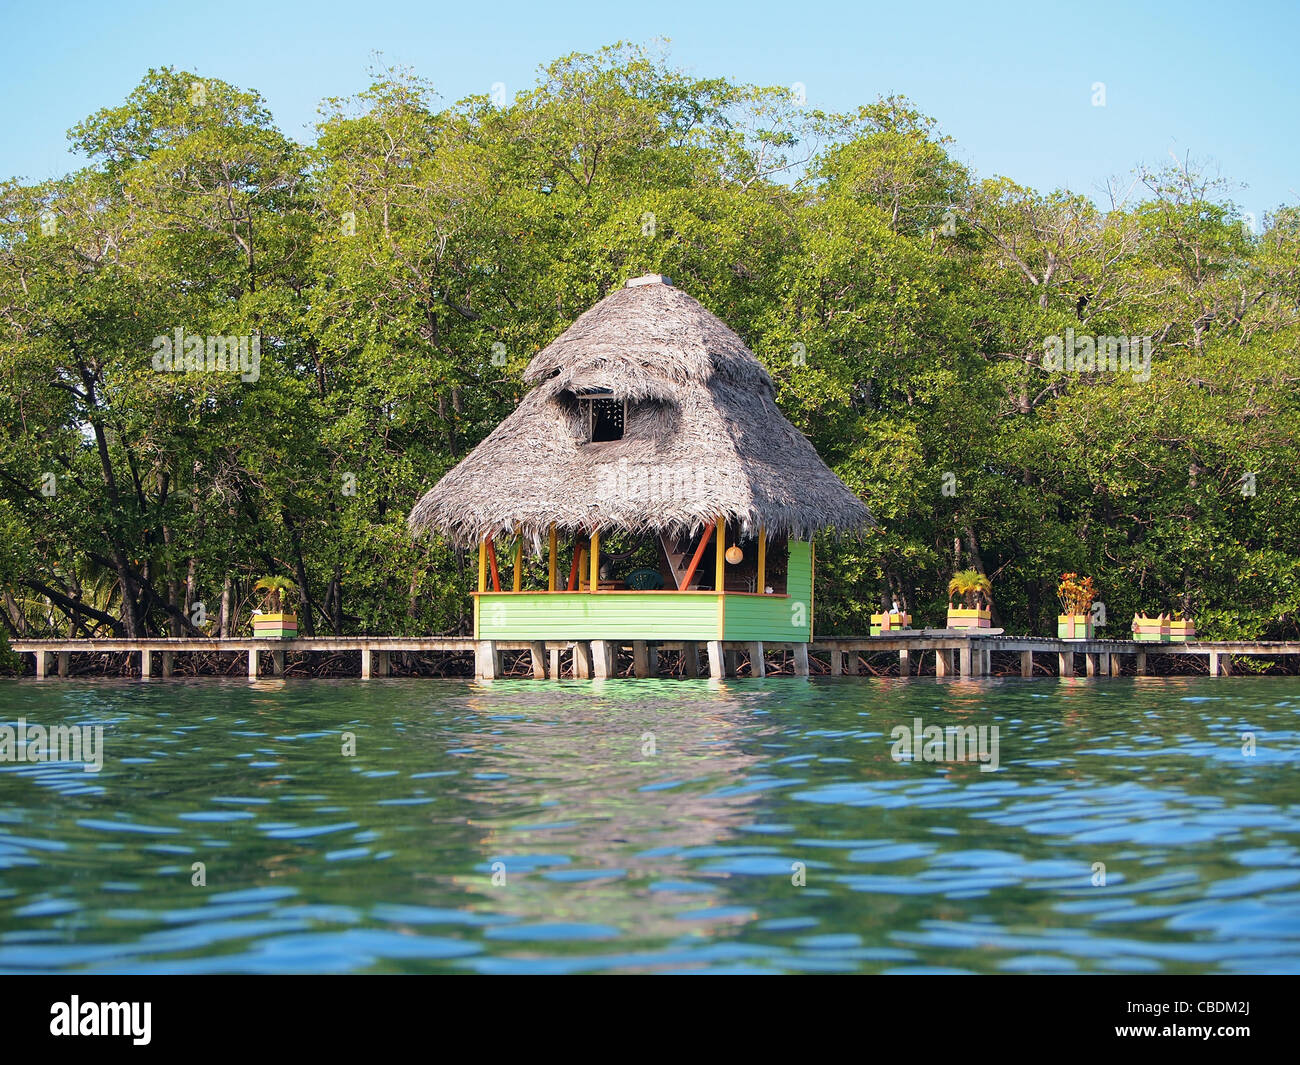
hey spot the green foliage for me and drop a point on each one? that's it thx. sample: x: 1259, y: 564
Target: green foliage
x: 10, y: 661
x: 400, y: 273
x: 972, y: 587
x: 275, y: 590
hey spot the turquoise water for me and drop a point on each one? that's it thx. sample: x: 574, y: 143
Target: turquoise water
x: 637, y: 826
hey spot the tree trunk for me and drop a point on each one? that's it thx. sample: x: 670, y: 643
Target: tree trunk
x: 306, y: 623
x: 173, y: 586
x: 225, y: 608
x: 977, y: 562
x: 14, y: 619
x: 130, y: 609
x: 191, y: 578
x: 336, y: 582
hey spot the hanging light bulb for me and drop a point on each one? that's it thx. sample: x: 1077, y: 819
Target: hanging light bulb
x: 734, y: 554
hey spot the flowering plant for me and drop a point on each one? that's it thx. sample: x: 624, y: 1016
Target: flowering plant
x: 1075, y: 593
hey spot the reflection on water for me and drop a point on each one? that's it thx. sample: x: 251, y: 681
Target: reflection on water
x: 654, y: 826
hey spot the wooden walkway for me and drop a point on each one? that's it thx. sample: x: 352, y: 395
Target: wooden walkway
x: 955, y: 654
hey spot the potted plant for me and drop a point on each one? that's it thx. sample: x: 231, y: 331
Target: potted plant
x: 1181, y: 629
x: 1076, y: 595
x: 895, y: 618
x: 975, y: 592
x: 272, y: 620
x: 1150, y: 630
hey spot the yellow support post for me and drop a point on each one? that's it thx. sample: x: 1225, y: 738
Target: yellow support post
x: 720, y: 546
x: 551, y: 561
x: 482, y: 566
x: 519, y: 561
x: 595, y: 560
x: 762, y: 560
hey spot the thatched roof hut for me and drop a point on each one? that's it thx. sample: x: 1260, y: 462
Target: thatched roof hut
x: 701, y: 438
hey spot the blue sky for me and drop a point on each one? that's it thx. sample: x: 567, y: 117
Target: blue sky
x: 1012, y: 83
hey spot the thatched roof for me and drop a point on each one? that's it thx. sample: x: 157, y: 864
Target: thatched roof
x: 703, y: 437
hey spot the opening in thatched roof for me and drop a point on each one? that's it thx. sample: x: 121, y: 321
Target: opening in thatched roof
x: 702, y: 437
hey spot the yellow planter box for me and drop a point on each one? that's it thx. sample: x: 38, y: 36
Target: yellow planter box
x: 275, y: 626
x: 960, y: 617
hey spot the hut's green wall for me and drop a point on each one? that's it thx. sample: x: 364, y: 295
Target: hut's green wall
x: 603, y: 616
x: 654, y: 615
x: 785, y: 619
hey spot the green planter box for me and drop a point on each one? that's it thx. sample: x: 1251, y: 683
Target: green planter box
x: 1074, y: 626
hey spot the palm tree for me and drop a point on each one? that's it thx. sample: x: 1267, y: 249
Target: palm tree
x: 973, y: 587
x: 275, y: 590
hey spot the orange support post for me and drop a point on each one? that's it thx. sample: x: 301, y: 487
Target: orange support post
x: 699, y: 554
x: 577, y: 557
x: 492, y: 563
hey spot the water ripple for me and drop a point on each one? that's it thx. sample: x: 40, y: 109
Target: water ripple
x: 521, y: 827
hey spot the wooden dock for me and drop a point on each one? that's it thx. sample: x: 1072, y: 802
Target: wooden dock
x: 955, y: 654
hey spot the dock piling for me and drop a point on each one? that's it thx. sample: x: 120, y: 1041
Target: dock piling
x: 691, y: 658
x: 717, y: 664
x: 604, y: 659
x: 537, y: 651
x: 801, y: 660
x: 485, y: 660
x: 582, y: 660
